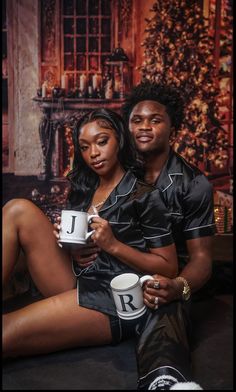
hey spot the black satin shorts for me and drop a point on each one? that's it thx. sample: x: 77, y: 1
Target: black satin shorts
x: 125, y: 329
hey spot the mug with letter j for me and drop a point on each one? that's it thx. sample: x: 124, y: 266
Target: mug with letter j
x: 128, y: 295
x: 74, y: 227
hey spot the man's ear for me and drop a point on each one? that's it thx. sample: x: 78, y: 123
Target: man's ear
x: 173, y: 135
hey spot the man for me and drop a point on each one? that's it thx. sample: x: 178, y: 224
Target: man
x: 154, y: 114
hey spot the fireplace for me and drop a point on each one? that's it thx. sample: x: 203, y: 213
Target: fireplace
x: 59, y: 117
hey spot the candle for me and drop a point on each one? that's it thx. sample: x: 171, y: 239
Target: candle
x: 82, y: 82
x: 109, y: 90
x: 95, y: 82
x: 44, y: 90
x: 64, y: 82
x: 90, y: 91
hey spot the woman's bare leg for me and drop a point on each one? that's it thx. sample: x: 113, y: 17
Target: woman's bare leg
x: 26, y: 227
x: 53, y: 324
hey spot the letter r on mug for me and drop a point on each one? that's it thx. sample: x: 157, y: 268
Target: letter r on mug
x: 128, y: 303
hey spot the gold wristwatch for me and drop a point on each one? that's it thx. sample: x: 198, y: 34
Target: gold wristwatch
x: 186, y: 290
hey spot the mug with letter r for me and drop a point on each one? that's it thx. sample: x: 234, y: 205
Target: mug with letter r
x: 128, y: 295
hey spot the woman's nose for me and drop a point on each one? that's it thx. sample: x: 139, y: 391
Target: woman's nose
x: 94, y: 151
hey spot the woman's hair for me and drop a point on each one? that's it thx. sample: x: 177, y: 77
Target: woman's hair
x: 82, y: 178
x: 168, y: 96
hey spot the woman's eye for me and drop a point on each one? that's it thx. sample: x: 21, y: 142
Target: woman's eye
x: 83, y: 148
x: 135, y: 120
x: 102, y: 142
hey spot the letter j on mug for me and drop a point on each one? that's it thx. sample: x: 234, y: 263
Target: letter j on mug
x: 75, y: 227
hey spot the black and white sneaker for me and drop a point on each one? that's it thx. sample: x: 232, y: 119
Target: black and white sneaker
x: 188, y: 386
x: 162, y: 378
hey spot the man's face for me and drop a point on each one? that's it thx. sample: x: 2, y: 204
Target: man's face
x: 150, y: 126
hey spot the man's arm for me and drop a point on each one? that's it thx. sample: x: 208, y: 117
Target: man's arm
x: 199, y: 268
x: 196, y: 272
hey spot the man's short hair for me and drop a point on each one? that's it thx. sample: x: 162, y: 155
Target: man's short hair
x: 166, y: 95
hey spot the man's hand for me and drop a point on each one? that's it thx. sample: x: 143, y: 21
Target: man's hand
x: 86, y: 255
x: 161, y: 291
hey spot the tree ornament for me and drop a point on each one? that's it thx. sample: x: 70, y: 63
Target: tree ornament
x: 179, y: 51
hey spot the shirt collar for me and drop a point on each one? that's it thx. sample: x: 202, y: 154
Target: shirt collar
x: 170, y: 169
x: 123, y: 189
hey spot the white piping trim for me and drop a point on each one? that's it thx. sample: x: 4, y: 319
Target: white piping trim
x: 157, y: 236
x: 171, y: 367
x: 104, y: 209
x: 199, y: 227
x: 90, y: 267
x: 171, y: 181
x: 118, y: 223
x: 154, y: 227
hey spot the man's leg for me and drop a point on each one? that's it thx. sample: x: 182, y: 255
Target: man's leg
x: 163, y: 354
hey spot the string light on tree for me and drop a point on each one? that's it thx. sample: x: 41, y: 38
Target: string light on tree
x: 179, y: 52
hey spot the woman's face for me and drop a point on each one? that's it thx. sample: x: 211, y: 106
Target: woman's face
x: 99, y: 147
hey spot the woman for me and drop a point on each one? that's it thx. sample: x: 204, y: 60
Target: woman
x: 131, y: 230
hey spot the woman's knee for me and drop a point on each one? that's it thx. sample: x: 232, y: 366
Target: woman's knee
x: 18, y: 208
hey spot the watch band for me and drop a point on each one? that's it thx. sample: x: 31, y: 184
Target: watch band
x: 186, y: 290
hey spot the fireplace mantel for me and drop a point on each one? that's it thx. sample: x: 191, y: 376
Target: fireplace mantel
x: 59, y: 113
x: 78, y: 103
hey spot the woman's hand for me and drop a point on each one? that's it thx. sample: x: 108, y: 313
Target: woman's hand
x: 160, y: 291
x: 103, y: 236
x: 57, y: 229
x: 84, y: 256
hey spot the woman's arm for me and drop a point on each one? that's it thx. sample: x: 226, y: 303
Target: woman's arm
x: 161, y: 260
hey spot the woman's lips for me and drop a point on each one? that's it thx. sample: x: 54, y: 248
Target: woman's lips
x: 98, y: 165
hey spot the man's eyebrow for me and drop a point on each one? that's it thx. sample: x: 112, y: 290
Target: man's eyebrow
x: 149, y: 115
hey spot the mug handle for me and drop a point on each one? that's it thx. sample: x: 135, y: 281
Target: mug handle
x: 89, y: 234
x: 144, y: 279
x: 92, y: 216
x: 93, y: 231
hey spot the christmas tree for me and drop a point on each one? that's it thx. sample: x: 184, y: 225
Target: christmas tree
x: 179, y: 51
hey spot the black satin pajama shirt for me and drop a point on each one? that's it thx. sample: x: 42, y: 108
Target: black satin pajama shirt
x: 138, y: 217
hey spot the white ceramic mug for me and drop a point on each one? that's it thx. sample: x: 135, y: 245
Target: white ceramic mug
x: 74, y: 227
x: 128, y: 295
